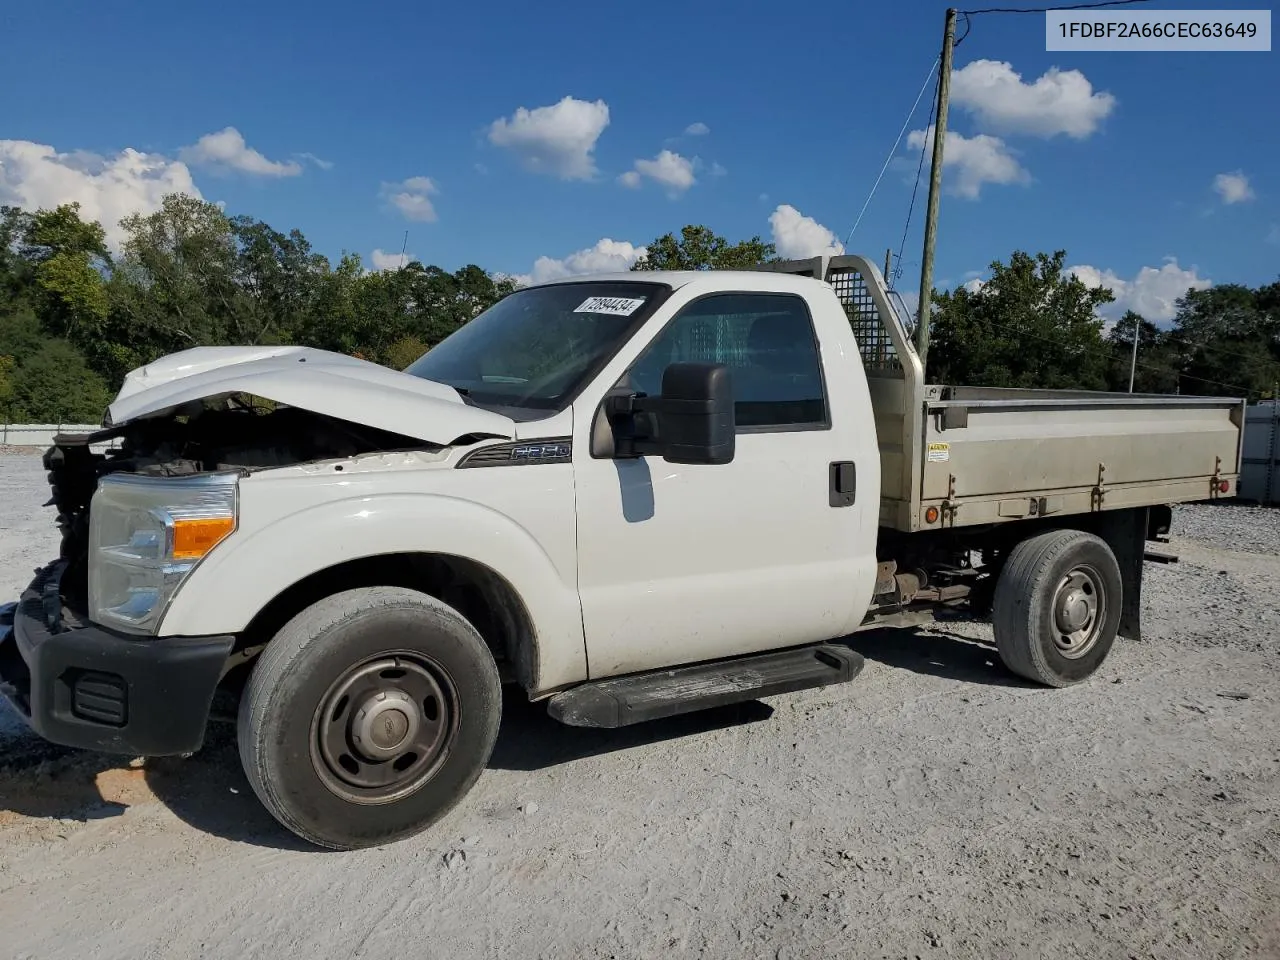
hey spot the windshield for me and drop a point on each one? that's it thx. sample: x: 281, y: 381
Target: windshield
x: 536, y: 347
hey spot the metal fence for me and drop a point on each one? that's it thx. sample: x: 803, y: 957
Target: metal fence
x: 1260, y: 471
x: 38, y: 436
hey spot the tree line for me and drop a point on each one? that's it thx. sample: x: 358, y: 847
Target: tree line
x: 75, y: 316
x: 1035, y: 325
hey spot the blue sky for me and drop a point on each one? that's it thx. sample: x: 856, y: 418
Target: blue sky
x: 1153, y: 170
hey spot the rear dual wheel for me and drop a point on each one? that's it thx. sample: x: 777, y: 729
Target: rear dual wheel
x: 369, y: 716
x: 1057, y: 607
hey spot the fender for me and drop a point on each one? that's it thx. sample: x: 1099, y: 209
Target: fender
x: 256, y: 563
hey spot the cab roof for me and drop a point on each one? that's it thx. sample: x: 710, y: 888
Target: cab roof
x: 749, y: 279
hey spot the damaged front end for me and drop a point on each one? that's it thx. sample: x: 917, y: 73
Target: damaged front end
x: 234, y: 433
x: 84, y: 659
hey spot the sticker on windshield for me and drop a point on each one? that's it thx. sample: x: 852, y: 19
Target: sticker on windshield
x: 613, y: 306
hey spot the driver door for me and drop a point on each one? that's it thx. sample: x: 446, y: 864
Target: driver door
x: 682, y: 563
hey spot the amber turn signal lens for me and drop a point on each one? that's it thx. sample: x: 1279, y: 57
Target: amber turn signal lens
x: 931, y: 515
x: 192, y: 539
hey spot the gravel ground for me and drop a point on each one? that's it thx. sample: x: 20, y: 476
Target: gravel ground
x: 1244, y: 528
x: 934, y: 807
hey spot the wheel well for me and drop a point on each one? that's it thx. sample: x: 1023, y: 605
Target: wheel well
x: 1125, y: 532
x: 476, y: 591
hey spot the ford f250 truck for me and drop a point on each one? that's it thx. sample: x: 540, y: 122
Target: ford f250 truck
x: 632, y: 495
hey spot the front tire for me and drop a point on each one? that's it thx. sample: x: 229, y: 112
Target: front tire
x: 1057, y: 607
x: 368, y: 717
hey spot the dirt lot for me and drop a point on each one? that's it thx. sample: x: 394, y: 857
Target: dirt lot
x: 935, y: 807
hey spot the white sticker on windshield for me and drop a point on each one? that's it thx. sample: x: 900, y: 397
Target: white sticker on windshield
x: 613, y: 306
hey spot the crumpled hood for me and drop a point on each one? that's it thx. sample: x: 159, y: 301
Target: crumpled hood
x: 327, y: 383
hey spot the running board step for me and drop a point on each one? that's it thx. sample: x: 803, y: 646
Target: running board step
x: 622, y: 701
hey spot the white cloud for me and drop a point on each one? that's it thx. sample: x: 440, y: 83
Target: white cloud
x: 412, y: 197
x: 312, y: 158
x: 227, y: 150
x: 669, y: 169
x: 1233, y: 187
x: 1059, y: 102
x: 974, y: 285
x: 607, y: 256
x: 382, y: 260
x: 34, y: 176
x: 556, y: 140
x: 698, y: 129
x: 717, y: 170
x: 976, y: 160
x: 1153, y: 292
x: 797, y: 236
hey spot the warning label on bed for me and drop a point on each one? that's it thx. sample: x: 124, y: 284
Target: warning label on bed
x: 939, y: 452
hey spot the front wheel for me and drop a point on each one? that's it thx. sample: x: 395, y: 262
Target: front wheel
x: 368, y: 717
x: 1057, y: 607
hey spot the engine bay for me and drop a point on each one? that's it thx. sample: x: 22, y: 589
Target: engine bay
x: 242, y: 433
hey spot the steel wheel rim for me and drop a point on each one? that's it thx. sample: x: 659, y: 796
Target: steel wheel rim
x: 1079, y: 612
x: 383, y: 727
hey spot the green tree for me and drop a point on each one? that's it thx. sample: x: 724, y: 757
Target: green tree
x: 21, y: 335
x: 57, y: 386
x: 1030, y: 325
x: 1228, y: 337
x: 15, y: 268
x: 1157, y: 367
x: 331, y: 323
x: 178, y: 274
x: 276, y: 276
x: 698, y: 248
x: 7, y: 370
x: 404, y: 352
x: 68, y: 259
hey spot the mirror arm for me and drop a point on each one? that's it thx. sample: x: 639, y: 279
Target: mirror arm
x: 632, y: 403
x: 624, y: 408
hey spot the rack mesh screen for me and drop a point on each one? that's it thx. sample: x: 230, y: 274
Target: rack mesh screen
x: 869, y: 328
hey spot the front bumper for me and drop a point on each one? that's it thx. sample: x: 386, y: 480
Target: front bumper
x: 81, y: 685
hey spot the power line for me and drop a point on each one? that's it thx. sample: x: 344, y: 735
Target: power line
x: 906, y: 227
x: 894, y: 149
x: 1164, y: 336
x: 1074, y: 6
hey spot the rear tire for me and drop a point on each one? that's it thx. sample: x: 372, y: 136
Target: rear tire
x: 368, y: 717
x: 1057, y: 607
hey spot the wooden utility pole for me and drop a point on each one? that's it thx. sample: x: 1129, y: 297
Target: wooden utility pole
x: 888, y: 263
x: 1133, y: 361
x: 935, y: 186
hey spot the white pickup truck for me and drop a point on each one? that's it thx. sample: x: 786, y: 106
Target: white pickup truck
x: 632, y: 495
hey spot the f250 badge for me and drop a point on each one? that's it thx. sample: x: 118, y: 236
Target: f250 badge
x: 541, y: 451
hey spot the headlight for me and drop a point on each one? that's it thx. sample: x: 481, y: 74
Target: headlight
x: 146, y: 534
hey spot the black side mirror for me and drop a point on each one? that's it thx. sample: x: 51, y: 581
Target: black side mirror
x: 694, y: 414
x: 695, y: 418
